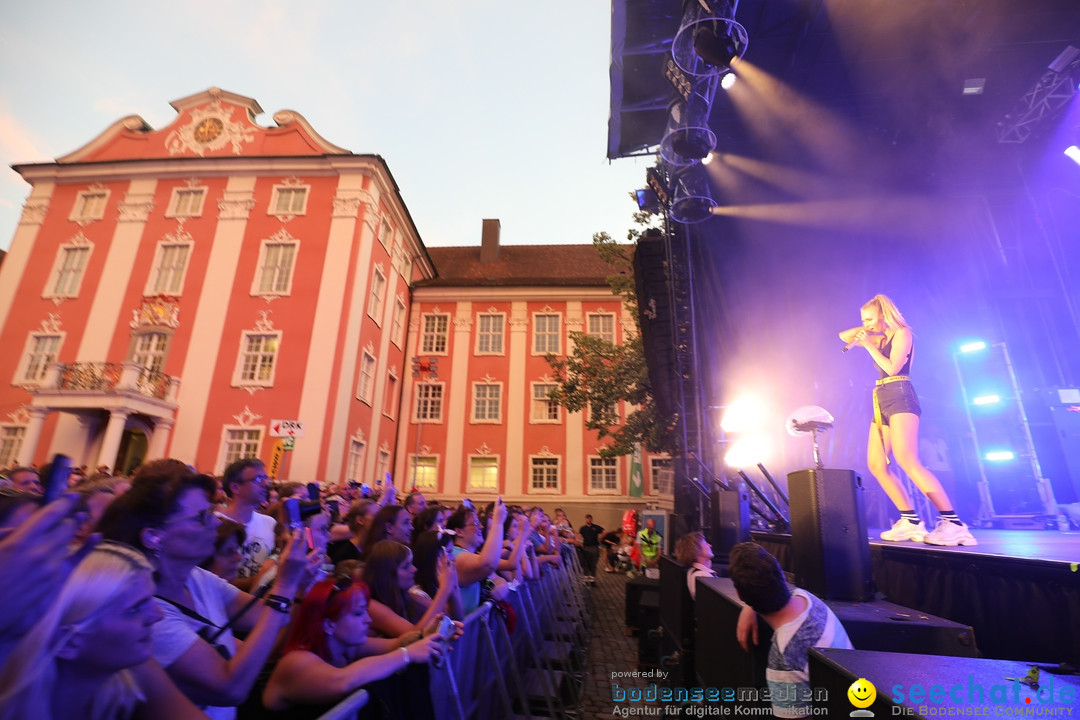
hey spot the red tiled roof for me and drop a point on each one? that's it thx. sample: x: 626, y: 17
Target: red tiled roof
x: 564, y: 265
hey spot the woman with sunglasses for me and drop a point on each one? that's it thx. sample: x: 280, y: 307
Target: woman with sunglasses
x: 168, y: 516
x: 329, y: 654
x: 88, y: 657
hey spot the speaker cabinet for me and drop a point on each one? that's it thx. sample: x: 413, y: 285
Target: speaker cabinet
x: 730, y: 520
x: 829, y: 547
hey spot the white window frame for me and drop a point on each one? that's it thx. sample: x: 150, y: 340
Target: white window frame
x: 11, y: 440
x: 378, y: 294
x: 186, y: 202
x: 597, y: 463
x: 424, y: 477
x: 386, y: 232
x: 138, y: 337
x: 534, y: 466
x: 397, y: 325
x: 225, y: 458
x: 261, y: 268
x: 365, y: 383
x: 25, y: 364
x: 280, y: 191
x: 153, y: 282
x: 535, y: 406
x: 589, y: 330
x: 658, y: 465
x: 382, y: 464
x: 475, y: 417
x: 390, y: 396
x: 426, y: 347
x: 482, y: 489
x: 245, y: 335
x: 536, y: 334
x: 490, y: 334
x: 354, y: 466
x: 83, y: 212
x: 420, y: 388
x: 82, y: 250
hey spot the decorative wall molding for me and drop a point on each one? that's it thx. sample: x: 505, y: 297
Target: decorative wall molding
x: 247, y: 418
x: 157, y: 311
x: 33, y: 213
x: 228, y: 132
x: 235, y: 208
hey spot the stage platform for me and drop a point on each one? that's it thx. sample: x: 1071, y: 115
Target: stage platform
x: 1018, y: 589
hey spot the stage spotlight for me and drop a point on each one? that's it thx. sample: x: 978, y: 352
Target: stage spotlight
x: 746, y: 452
x: 687, y: 137
x: 745, y: 413
x: 974, y: 346
x: 728, y: 81
x: 709, y: 39
x: 708, y: 158
x: 1073, y: 153
x: 1000, y: 456
x: 986, y: 400
x: 691, y: 202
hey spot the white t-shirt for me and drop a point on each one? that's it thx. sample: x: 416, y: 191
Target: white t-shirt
x: 177, y: 632
x: 259, y: 543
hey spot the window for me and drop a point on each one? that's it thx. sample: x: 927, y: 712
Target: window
x: 41, y: 349
x: 11, y: 437
x: 289, y: 200
x: 544, y: 474
x: 357, y: 453
x: 378, y: 292
x: 544, y: 409
x: 390, y: 399
x: 258, y: 355
x: 546, y: 334
x: 662, y: 476
x: 489, y: 334
x: 186, y: 202
x: 423, y: 471
x: 398, y: 323
x: 276, y: 260
x: 484, y: 473
x: 383, y: 465
x: 167, y: 277
x: 89, y: 205
x: 386, y: 232
x: 240, y: 443
x: 429, y: 400
x: 486, y: 401
x: 610, y: 411
x: 367, y: 377
x: 433, y: 336
x: 67, y: 275
x: 149, y: 349
x: 603, y: 475
x: 601, y: 325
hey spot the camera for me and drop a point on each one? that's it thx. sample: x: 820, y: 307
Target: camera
x: 292, y: 512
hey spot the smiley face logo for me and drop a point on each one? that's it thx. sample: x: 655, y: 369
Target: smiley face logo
x: 862, y: 693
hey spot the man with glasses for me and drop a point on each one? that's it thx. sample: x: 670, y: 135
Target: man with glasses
x: 247, y: 485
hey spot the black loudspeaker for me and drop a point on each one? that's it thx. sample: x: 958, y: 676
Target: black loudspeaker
x: 829, y: 547
x: 730, y: 519
x: 720, y: 661
x: 654, y: 318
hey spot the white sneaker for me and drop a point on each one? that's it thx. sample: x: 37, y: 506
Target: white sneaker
x: 903, y: 530
x: 950, y: 534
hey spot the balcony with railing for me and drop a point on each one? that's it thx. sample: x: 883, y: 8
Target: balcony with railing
x: 107, y: 385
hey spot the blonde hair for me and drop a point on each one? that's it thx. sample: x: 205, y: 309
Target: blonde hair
x: 97, y: 584
x: 888, y: 311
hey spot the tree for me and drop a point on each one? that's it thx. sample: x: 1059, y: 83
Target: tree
x: 598, y: 374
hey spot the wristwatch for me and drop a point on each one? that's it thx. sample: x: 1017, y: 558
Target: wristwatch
x: 278, y: 602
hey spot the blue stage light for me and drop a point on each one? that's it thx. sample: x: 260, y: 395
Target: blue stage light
x: 974, y: 346
x: 986, y: 400
x: 1000, y: 456
x: 1073, y: 152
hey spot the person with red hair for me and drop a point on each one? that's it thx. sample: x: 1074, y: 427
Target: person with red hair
x: 328, y: 653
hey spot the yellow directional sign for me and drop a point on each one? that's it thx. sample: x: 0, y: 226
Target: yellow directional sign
x: 276, y: 458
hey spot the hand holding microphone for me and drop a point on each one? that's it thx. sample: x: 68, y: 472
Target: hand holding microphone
x: 858, y: 339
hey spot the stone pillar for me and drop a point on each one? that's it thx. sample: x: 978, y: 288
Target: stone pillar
x: 32, y: 435
x: 160, y: 439
x: 110, y: 444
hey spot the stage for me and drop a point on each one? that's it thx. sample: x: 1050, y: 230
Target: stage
x: 1018, y: 589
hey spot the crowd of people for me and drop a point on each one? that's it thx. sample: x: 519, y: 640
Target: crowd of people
x: 176, y: 594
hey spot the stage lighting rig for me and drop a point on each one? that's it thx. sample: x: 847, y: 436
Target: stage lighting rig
x: 709, y: 39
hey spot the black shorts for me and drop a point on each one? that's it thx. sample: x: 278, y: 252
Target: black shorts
x: 897, y: 397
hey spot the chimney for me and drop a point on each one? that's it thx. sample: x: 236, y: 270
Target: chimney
x: 489, y: 241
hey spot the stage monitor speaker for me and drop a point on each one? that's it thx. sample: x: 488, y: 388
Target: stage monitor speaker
x: 730, y: 519
x: 830, y: 550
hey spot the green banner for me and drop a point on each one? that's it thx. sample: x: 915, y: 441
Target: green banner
x: 637, y: 480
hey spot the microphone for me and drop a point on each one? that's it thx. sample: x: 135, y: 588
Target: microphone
x: 850, y: 345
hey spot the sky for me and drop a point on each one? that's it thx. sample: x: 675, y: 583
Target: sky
x: 481, y: 108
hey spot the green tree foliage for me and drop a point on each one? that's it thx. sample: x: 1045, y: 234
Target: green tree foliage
x: 598, y: 374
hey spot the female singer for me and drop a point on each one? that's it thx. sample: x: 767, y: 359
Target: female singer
x: 888, y: 338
